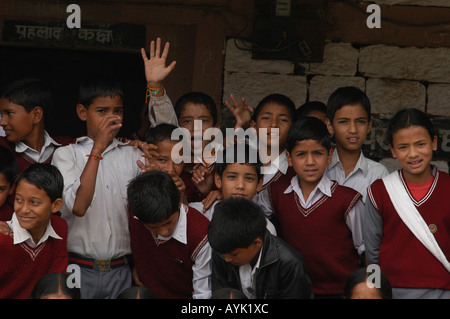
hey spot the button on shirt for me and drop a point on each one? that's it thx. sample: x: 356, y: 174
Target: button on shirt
x: 363, y: 175
x: 44, y: 154
x: 102, y: 233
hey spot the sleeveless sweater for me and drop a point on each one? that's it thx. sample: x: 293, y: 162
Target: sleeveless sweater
x: 320, y: 234
x: 405, y: 261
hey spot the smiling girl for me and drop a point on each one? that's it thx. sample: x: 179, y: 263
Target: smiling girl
x: 407, y: 222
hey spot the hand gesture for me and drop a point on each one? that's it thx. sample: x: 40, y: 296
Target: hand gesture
x: 107, y: 129
x: 156, y: 70
x: 241, y: 111
x: 150, y: 152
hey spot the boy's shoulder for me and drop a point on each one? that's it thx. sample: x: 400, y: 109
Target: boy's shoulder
x: 59, y: 224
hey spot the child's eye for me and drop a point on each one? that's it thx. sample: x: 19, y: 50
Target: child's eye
x: 18, y: 200
x: 250, y: 179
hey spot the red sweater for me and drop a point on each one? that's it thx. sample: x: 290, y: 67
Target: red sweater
x: 405, y: 261
x: 23, y: 160
x: 22, y: 266
x: 166, y: 267
x: 320, y: 234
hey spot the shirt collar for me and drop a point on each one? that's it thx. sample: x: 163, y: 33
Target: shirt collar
x: 362, y: 163
x: 279, y: 164
x: 21, y: 235
x: 180, y: 230
x: 323, y: 186
x: 22, y: 147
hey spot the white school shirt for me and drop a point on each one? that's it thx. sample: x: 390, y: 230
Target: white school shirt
x: 44, y: 154
x: 102, y: 233
x: 279, y: 165
x: 210, y: 212
x: 353, y: 218
x: 366, y: 171
x: 21, y: 235
x: 202, y: 266
x: 247, y: 275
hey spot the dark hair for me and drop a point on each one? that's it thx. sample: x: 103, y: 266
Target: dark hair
x: 197, y: 98
x: 236, y: 223
x: 160, y: 133
x: 8, y: 164
x: 406, y: 118
x: 46, y: 177
x: 98, y: 86
x: 239, y: 153
x: 278, y: 99
x: 348, y: 95
x: 228, y: 293
x: 311, y: 106
x: 361, y: 275
x: 137, y: 292
x: 29, y: 93
x: 153, y: 197
x: 308, y: 128
x: 54, y: 283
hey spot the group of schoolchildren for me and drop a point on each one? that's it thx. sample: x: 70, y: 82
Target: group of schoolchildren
x: 141, y: 222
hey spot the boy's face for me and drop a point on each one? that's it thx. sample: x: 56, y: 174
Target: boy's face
x: 243, y: 256
x: 34, y: 208
x: 165, y: 161
x: 104, y: 110
x: 6, y: 189
x: 272, y: 116
x: 17, y: 123
x: 239, y: 180
x: 309, y: 159
x: 350, y: 127
x: 165, y: 228
x: 196, y: 112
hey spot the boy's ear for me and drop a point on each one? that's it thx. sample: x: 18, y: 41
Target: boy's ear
x: 38, y: 114
x: 81, y: 111
x: 252, y: 124
x: 288, y: 155
x: 260, y: 184
x: 56, y: 205
x: 217, y: 180
x: 391, y: 148
x: 434, y: 143
x: 329, y: 126
x: 258, y: 242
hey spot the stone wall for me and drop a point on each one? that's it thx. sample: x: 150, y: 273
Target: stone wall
x: 392, y: 77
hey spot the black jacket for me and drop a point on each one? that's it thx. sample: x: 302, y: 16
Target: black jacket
x: 281, y: 274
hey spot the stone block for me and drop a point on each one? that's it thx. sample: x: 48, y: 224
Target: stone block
x: 338, y: 59
x: 438, y: 99
x: 389, y: 96
x: 321, y: 87
x: 421, y: 64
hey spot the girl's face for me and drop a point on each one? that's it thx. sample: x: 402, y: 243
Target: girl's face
x: 413, y: 148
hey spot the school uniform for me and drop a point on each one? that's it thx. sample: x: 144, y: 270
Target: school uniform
x: 24, y: 262
x: 366, y: 171
x: 26, y: 155
x: 177, y: 267
x: 326, y: 230
x: 411, y: 267
x: 100, y: 240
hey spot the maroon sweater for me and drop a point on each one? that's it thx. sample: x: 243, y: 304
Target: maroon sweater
x: 22, y: 266
x: 405, y: 261
x: 320, y: 234
x: 166, y: 267
x: 23, y: 160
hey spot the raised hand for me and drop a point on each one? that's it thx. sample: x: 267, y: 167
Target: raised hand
x: 156, y: 70
x: 241, y: 111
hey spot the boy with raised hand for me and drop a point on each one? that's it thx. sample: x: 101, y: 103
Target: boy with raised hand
x: 38, y: 243
x: 349, y: 119
x: 248, y: 258
x: 96, y: 170
x: 171, y: 253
